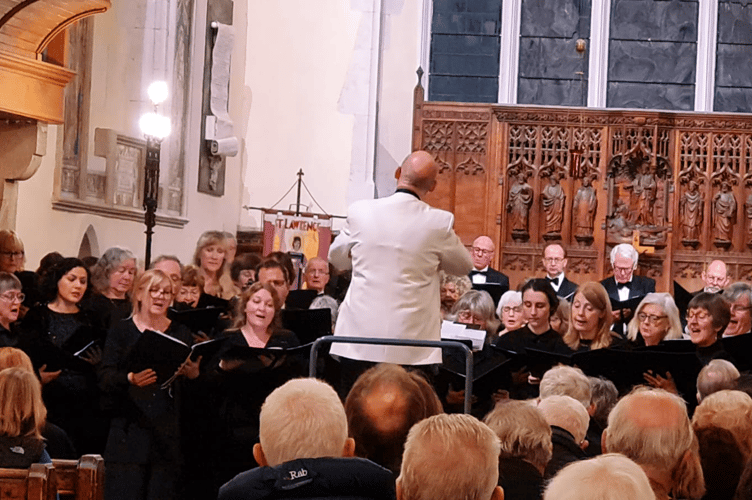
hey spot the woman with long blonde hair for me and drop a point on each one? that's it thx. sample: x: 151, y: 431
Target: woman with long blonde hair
x: 590, y: 319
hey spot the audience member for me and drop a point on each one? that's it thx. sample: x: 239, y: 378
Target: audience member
x: 651, y: 427
x: 730, y: 410
x: 22, y: 417
x: 717, y: 375
x: 605, y: 396
x: 555, y: 264
x: 569, y: 421
x: 566, y: 381
x: 304, y: 451
x: 722, y: 462
x: 450, y: 457
x: 382, y: 406
x: 608, y: 477
x: 739, y: 298
x: 526, y: 448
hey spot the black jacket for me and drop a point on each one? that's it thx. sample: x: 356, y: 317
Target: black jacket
x: 308, y: 478
x: 565, y: 451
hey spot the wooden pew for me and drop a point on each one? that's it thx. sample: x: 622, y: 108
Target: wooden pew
x: 81, y: 479
x: 34, y: 483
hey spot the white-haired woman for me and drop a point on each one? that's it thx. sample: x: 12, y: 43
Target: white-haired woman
x: 656, y: 319
x: 510, y: 311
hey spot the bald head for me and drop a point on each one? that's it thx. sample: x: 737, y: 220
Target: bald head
x: 482, y: 252
x: 418, y: 173
x: 715, y: 277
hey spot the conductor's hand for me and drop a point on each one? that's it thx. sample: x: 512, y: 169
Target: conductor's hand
x: 143, y: 378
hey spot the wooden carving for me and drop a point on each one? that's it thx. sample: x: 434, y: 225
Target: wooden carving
x: 518, y: 205
x: 690, y: 215
x: 585, y: 204
x: 553, y: 200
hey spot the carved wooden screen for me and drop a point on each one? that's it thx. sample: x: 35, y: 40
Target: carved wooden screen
x: 677, y: 184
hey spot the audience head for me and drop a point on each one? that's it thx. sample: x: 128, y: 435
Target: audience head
x: 651, y: 427
x: 715, y: 277
x: 522, y: 431
x: 11, y: 299
x: 114, y: 272
x: 302, y: 418
x: 717, y: 375
x: 476, y: 307
x: 382, y: 406
x: 448, y: 457
x: 68, y: 279
x: 554, y: 259
x: 739, y: 298
x: 418, y: 173
x: 482, y: 252
x: 655, y: 319
x: 591, y: 317
x: 12, y: 256
x: 564, y: 380
x: 22, y: 411
x: 243, y: 270
x: 317, y: 274
x: 606, y: 477
x: 567, y: 413
x: 722, y: 462
x: 152, y: 293
x: 624, y: 261
x: 275, y: 273
x: 10, y: 357
x: 210, y: 253
x: 509, y: 310
x: 171, y: 266
x: 539, y: 301
x: 604, y: 397
x: 191, y: 286
x: 254, y: 307
x: 730, y: 410
x: 451, y: 289
x: 561, y: 319
x: 707, y: 317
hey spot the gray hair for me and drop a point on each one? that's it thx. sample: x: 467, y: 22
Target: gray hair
x: 665, y: 302
x: 606, y: 477
x: 9, y: 281
x: 110, y: 260
x: 567, y: 413
x: 478, y: 302
x: 734, y: 291
x: 509, y: 297
x: 625, y: 250
x: 717, y: 375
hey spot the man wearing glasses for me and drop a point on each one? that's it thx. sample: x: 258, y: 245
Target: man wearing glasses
x: 555, y: 262
x: 482, y: 252
x: 624, y: 284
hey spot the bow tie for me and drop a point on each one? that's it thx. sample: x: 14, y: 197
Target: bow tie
x: 553, y: 281
x: 628, y: 285
x: 475, y: 271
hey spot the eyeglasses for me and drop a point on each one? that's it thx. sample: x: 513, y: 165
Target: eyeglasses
x: 701, y: 316
x: 10, y: 296
x: 13, y: 255
x: 553, y: 260
x: 650, y: 318
x: 157, y: 292
x: 316, y: 272
x: 737, y: 308
x: 623, y: 269
x: 482, y: 251
x: 508, y: 309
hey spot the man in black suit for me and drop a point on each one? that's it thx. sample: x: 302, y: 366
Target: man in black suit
x: 482, y: 252
x: 624, y: 284
x: 555, y: 262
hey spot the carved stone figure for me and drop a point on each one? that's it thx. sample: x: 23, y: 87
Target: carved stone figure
x: 518, y: 205
x: 645, y: 188
x: 553, y: 199
x: 724, y: 213
x: 584, y: 205
x: 748, y: 210
x: 690, y: 211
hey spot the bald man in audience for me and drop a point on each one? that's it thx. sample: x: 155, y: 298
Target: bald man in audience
x: 304, y: 451
x: 526, y: 448
x: 651, y: 427
x: 450, y: 457
x: 608, y: 477
x: 382, y: 406
x: 739, y: 298
x: 396, y: 247
x: 716, y: 277
x: 569, y: 422
x: 717, y: 375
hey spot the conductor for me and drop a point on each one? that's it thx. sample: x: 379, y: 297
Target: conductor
x: 396, y: 247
